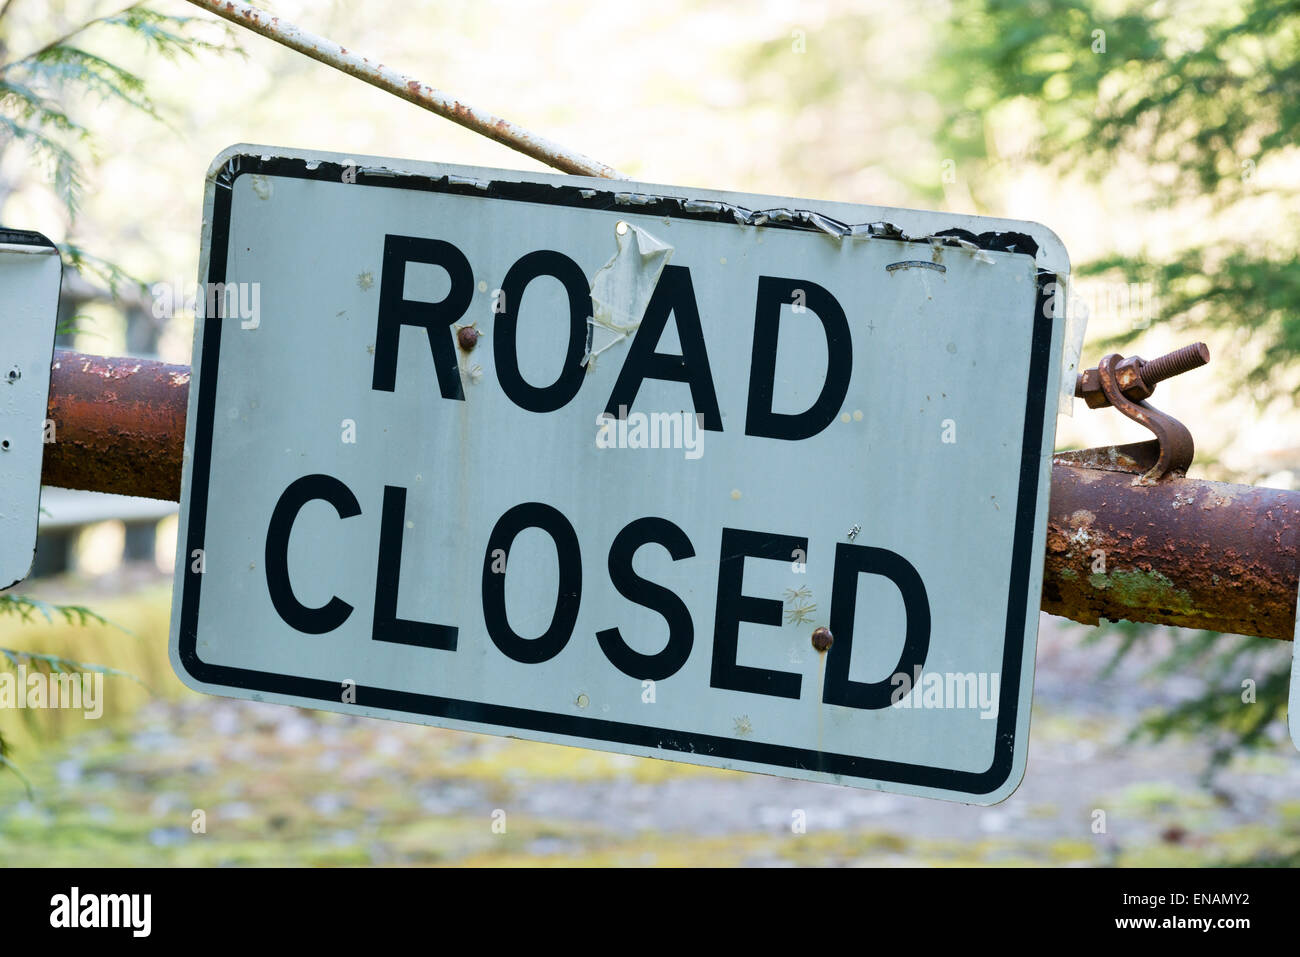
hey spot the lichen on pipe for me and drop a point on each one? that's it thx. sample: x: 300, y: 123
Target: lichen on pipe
x: 408, y: 88
x: 1180, y: 552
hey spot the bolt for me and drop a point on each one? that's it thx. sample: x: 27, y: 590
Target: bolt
x: 1137, y: 378
x: 14, y: 374
x: 467, y: 337
x: 1175, y: 363
x: 822, y: 639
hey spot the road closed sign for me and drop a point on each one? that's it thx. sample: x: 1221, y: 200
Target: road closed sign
x: 741, y: 481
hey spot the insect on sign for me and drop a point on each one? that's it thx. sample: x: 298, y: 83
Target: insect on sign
x: 741, y: 481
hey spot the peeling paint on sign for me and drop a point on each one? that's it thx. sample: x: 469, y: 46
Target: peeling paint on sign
x: 622, y: 287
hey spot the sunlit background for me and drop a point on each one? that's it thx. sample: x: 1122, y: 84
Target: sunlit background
x: 837, y: 100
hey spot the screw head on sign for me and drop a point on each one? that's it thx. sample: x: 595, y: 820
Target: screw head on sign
x: 467, y: 337
x: 822, y: 639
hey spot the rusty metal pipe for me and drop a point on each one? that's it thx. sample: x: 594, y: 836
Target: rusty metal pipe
x: 1180, y: 552
x: 118, y: 425
x: 407, y: 87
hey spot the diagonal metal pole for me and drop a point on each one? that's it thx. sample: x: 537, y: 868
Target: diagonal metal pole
x: 408, y: 88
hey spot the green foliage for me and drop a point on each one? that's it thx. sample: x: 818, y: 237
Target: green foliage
x: 1220, y: 713
x: 1203, y: 96
x: 112, y: 275
x: 27, y: 609
x: 1196, y: 89
x: 36, y: 91
x: 1231, y: 287
x: 35, y: 88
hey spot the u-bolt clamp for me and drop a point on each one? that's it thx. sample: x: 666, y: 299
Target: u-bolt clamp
x: 1126, y: 384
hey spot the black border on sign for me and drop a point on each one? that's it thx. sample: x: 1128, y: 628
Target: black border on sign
x: 506, y: 717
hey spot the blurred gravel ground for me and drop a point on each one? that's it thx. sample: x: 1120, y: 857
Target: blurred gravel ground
x: 283, y: 786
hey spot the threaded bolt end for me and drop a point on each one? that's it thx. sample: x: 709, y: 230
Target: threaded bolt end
x: 1175, y: 363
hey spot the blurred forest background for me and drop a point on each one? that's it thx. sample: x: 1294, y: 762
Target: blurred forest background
x: 1157, y: 139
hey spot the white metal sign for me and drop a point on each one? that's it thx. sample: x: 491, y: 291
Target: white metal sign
x: 598, y: 463
x: 30, y: 274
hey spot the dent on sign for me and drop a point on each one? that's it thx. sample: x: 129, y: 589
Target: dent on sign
x: 703, y: 440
